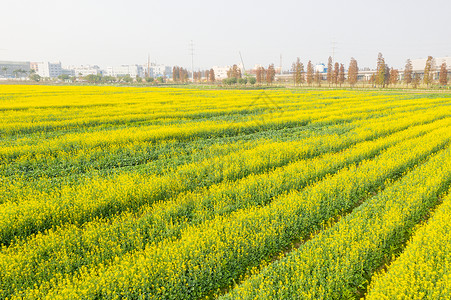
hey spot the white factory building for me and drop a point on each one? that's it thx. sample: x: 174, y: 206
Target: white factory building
x: 419, y: 64
x: 123, y: 70
x: 221, y: 72
x: 157, y: 70
x: 84, y: 70
x: 47, y: 69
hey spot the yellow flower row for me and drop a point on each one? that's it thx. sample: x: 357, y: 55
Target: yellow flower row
x: 213, y: 254
x: 101, y: 197
x: 166, y: 220
x: 423, y: 271
x: 338, y: 262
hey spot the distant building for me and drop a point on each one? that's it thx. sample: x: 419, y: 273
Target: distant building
x: 157, y: 70
x: 83, y: 70
x: 221, y: 72
x: 48, y: 69
x: 34, y: 66
x: 119, y: 71
x: 321, y: 68
x: 13, y: 69
x: 419, y: 64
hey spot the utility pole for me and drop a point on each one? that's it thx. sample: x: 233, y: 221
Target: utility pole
x: 334, y: 46
x: 148, y: 65
x: 280, y: 63
x: 191, y: 49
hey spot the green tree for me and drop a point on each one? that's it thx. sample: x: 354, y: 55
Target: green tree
x: 35, y: 77
x: 252, y: 80
x: 108, y: 79
x: 91, y: 78
x: 4, y: 69
x: 127, y: 79
x: 18, y: 72
x: 149, y: 79
x: 63, y: 77
x: 242, y: 81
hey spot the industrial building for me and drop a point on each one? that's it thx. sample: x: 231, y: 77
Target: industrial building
x: 14, y: 69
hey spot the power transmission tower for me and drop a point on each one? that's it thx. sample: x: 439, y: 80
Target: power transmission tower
x: 281, y: 64
x: 334, y: 46
x: 148, y: 65
x: 191, y: 49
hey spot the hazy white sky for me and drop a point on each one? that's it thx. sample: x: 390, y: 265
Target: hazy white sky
x: 112, y: 32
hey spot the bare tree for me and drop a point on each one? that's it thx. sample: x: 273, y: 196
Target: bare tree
x: 373, y: 79
x: 259, y: 74
x: 341, y: 75
x: 415, y: 80
x: 309, y: 72
x: 175, y: 74
x: 381, y: 71
x: 394, y: 76
x: 443, y: 76
x: 353, y: 72
x: 301, y: 72
x: 234, y: 72
x: 270, y: 74
x: 329, y: 71
x: 387, y: 75
x: 429, y: 71
x: 297, y: 72
x: 336, y: 72
x: 212, y: 75
x: 408, y: 72
x: 318, y: 78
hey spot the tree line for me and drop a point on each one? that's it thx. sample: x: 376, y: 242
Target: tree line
x: 382, y: 77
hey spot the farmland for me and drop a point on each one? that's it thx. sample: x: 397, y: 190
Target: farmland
x: 176, y: 193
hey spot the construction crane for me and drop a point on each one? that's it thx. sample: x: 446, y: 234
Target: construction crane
x: 242, y: 62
